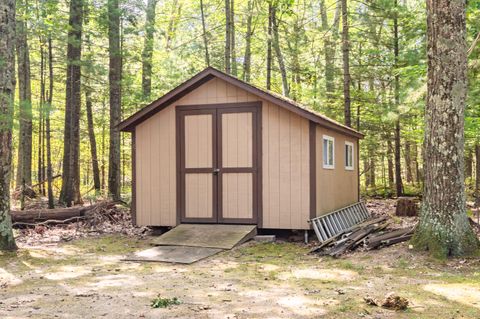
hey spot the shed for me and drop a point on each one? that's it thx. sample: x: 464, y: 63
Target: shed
x: 219, y: 150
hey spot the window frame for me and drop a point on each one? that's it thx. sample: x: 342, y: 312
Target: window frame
x: 330, y: 139
x: 352, y: 167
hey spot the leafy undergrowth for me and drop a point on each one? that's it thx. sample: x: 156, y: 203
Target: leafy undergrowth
x: 159, y: 302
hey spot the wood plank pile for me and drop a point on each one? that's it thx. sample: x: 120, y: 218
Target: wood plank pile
x: 370, y: 234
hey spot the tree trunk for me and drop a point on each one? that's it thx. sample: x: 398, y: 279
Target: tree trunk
x: 228, y: 30
x: 248, y: 43
x: 346, y: 64
x: 391, y: 178
x: 24, y: 167
x: 7, y: 93
x: 269, y: 46
x: 330, y: 34
x: 172, y: 24
x: 278, y: 53
x: 93, y: 143
x: 148, y: 49
x: 408, y: 162
x: 444, y: 228
x: 398, y: 168
x: 40, y: 160
x: 51, y: 203
x: 416, y: 170
x: 70, y: 192
x: 468, y: 163
x: 232, y: 38
x: 372, y: 168
x: 205, y: 39
x: 115, y: 78
x: 477, y: 174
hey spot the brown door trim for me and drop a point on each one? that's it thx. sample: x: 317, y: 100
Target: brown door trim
x: 181, y: 177
x: 220, y: 108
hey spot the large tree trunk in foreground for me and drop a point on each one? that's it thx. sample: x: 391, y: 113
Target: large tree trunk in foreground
x: 115, y: 78
x: 24, y: 167
x: 148, y: 49
x: 70, y: 192
x: 7, y: 92
x: 444, y: 228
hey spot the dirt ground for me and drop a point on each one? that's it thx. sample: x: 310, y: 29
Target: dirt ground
x: 85, y: 278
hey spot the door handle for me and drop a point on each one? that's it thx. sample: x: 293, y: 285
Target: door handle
x: 216, y: 171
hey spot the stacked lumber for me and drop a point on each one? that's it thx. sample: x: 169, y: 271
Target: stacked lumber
x: 370, y: 234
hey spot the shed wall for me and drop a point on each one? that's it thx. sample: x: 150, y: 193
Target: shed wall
x: 337, y: 187
x: 285, y: 161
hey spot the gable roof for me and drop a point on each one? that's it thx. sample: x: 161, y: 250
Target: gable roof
x: 210, y: 73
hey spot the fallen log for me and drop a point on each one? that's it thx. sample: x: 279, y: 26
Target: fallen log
x: 57, y: 214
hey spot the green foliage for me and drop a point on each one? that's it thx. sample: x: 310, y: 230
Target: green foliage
x: 160, y: 302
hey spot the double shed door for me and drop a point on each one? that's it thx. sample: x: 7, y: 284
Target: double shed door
x: 219, y: 163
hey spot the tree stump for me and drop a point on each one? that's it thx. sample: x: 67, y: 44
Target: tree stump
x: 406, y: 206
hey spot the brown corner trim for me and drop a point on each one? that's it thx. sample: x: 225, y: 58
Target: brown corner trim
x: 133, y: 203
x: 313, y: 168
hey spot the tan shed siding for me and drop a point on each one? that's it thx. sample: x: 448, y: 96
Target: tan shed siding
x: 285, y: 169
x: 285, y: 135
x: 336, y: 187
x: 156, y: 175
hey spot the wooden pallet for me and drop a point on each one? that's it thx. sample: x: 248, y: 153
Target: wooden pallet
x: 339, y: 221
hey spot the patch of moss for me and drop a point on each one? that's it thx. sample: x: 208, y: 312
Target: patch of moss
x: 109, y: 244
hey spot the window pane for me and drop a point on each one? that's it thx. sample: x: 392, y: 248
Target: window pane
x: 330, y: 152
x: 325, y: 148
x: 346, y: 155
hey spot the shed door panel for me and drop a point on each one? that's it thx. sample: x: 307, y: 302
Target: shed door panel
x: 237, y: 196
x: 198, y: 195
x: 238, y: 165
x: 198, y: 160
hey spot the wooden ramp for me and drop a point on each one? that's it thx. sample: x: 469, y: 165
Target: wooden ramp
x: 188, y: 243
x: 207, y: 236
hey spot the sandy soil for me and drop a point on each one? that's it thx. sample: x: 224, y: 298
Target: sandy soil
x: 86, y: 278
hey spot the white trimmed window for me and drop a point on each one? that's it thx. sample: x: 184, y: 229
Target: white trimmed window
x: 328, y: 152
x: 349, y: 156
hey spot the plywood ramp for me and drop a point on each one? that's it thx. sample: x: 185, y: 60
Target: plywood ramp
x: 207, y: 235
